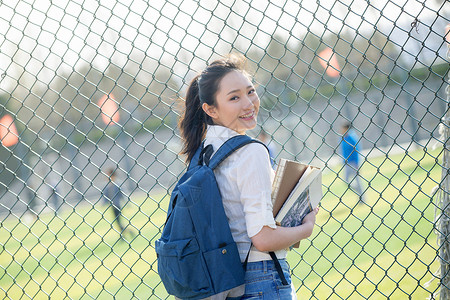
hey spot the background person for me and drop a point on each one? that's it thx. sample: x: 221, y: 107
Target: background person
x: 221, y: 103
x: 264, y: 137
x: 351, y: 154
x: 54, y: 194
x: 114, y: 196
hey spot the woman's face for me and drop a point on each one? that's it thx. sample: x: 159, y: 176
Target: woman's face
x: 237, y: 104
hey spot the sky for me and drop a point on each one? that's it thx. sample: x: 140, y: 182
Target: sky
x: 60, y: 36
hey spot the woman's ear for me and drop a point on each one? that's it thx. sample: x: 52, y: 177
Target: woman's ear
x: 210, y: 110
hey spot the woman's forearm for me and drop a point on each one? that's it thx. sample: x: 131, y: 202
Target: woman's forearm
x: 270, y: 239
x: 273, y: 239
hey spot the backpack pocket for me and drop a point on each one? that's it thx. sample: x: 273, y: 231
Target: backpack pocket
x: 181, y: 268
x: 225, y: 267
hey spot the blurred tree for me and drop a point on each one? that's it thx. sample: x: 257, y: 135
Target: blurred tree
x: 152, y: 92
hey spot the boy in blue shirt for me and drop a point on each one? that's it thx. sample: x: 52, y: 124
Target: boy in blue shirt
x: 350, y: 154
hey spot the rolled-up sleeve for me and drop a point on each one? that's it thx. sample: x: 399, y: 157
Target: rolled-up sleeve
x: 254, y: 179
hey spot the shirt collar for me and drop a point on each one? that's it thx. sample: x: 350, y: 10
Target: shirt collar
x: 217, y: 131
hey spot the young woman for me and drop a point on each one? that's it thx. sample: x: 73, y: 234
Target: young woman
x: 222, y: 102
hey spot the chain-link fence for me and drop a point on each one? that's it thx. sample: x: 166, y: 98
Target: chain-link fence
x: 89, y: 92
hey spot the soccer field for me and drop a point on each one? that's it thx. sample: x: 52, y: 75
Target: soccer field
x: 385, y: 248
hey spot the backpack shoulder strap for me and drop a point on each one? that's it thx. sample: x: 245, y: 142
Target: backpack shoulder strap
x: 195, y: 159
x: 229, y: 147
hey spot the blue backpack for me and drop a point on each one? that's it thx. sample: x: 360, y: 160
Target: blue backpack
x: 197, y: 256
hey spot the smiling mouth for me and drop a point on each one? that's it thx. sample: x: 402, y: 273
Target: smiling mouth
x: 250, y: 115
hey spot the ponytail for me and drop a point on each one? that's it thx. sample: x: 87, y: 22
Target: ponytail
x: 193, y: 122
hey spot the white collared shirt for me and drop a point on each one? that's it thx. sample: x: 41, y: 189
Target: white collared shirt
x: 245, y: 183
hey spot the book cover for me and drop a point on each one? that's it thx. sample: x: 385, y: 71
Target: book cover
x: 303, y: 197
x: 287, y: 175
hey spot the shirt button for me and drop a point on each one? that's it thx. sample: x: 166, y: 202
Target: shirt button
x: 224, y: 251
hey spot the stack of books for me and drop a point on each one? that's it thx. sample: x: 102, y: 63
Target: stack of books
x: 296, y: 191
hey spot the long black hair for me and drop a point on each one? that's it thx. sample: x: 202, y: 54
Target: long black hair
x: 203, y: 89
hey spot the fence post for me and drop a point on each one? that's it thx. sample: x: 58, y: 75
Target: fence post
x: 444, y: 230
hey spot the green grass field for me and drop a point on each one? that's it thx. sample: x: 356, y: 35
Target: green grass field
x: 385, y: 249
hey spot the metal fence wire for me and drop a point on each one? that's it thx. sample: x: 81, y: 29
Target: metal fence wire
x: 89, y: 102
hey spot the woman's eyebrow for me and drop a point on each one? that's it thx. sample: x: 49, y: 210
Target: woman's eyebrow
x: 237, y: 90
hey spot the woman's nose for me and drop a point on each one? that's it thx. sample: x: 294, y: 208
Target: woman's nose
x: 249, y: 102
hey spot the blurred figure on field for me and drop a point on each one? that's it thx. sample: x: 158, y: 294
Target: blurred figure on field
x: 31, y: 214
x: 351, y: 154
x: 113, y: 196
x: 54, y: 194
x: 264, y: 137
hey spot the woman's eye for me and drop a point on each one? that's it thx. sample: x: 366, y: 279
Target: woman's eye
x: 251, y: 92
x: 234, y: 98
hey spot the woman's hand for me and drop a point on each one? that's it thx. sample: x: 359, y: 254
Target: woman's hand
x: 310, y: 220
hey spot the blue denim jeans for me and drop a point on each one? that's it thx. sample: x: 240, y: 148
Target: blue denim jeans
x: 263, y: 282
